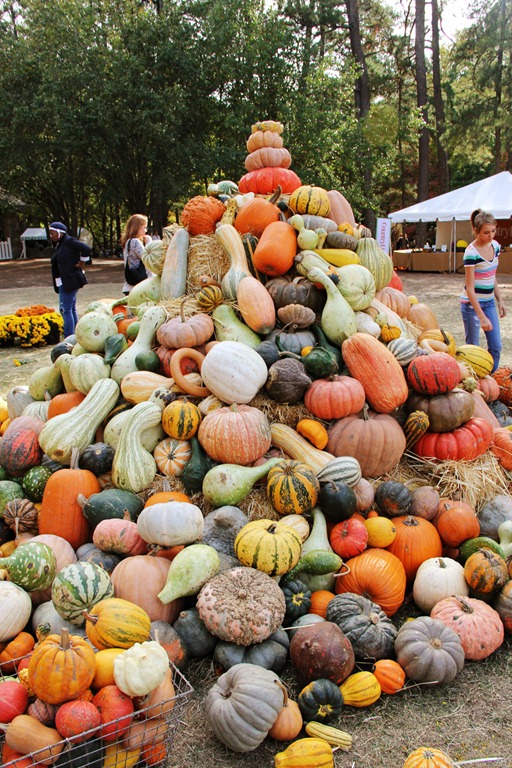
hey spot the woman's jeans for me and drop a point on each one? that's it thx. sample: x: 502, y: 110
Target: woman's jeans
x: 67, y: 307
x: 472, y: 328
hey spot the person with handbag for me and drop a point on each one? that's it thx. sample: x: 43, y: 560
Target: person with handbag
x: 133, y: 241
x: 67, y: 260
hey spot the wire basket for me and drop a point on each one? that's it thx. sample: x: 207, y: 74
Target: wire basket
x: 150, y: 736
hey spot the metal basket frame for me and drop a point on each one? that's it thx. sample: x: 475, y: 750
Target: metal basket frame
x: 95, y: 746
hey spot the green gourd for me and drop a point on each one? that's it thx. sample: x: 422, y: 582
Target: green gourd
x: 323, y: 342
x: 317, y: 541
x: 147, y: 292
x: 189, y: 570
x: 196, y: 468
x: 338, y: 318
x: 31, y: 566
x: 63, y: 364
x: 134, y: 468
x: 114, y: 346
x: 228, y: 327
x: 174, y: 273
x: 110, y: 503
x: 45, y: 379
x: 151, y: 321
x: 229, y: 484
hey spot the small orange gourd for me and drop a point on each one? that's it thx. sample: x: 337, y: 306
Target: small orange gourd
x: 313, y: 431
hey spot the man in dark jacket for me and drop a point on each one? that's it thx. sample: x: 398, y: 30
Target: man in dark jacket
x: 67, y: 261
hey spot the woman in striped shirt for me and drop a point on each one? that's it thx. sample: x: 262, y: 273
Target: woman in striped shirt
x: 478, y: 300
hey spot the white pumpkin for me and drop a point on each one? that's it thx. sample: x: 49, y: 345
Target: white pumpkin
x: 437, y: 578
x: 15, y: 610
x: 46, y: 613
x: 93, y: 329
x: 233, y: 372
x: 171, y: 523
x: 357, y: 286
x: 86, y: 369
x: 141, y: 668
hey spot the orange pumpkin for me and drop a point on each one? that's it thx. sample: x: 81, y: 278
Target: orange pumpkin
x: 501, y: 447
x: 390, y: 675
x: 378, y: 575
x: 64, y: 403
x: 276, y: 249
x: 257, y: 214
x: 61, y: 668
x: 200, y: 215
x: 416, y: 540
x: 320, y: 599
x: 131, y: 578
x: 60, y: 513
x: 457, y: 523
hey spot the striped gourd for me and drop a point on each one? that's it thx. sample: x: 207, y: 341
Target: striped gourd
x: 153, y: 256
x: 405, y: 350
x: 477, y: 359
x: 271, y: 547
x: 333, y: 736
x: 78, y: 587
x: 117, y: 623
x: 356, y: 285
x: 306, y: 753
x: 311, y: 200
x: 292, y: 487
x: 360, y: 689
x: 416, y: 425
x: 342, y: 469
x: 172, y: 456
x: 209, y: 297
x: 376, y: 260
x: 181, y: 419
x: 297, y: 447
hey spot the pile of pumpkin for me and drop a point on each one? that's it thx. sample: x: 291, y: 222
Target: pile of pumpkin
x: 310, y: 313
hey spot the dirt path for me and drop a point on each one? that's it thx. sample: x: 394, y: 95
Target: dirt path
x: 23, y: 283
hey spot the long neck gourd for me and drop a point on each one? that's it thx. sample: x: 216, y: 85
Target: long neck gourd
x: 151, y: 321
x: 338, y: 318
x: 317, y: 541
x: 174, y: 273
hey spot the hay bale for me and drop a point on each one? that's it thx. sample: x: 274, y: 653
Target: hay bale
x: 472, y: 481
x: 206, y: 256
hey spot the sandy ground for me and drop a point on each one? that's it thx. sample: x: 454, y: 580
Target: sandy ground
x: 23, y: 283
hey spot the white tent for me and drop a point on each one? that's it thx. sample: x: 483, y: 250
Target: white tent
x: 452, y: 211
x: 493, y: 194
x: 32, y: 233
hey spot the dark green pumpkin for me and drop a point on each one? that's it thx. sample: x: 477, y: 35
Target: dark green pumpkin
x: 337, y: 501
x: 34, y: 482
x: 321, y: 701
x: 147, y: 361
x: 4, y: 475
x: 297, y: 597
x: 198, y: 641
x: 90, y: 753
x: 324, y: 342
x: 393, y: 498
x: 6, y: 533
x: 50, y: 464
x: 62, y: 348
x: 88, y: 553
x: 270, y: 654
x: 110, y: 503
x: 114, y: 346
x: 268, y: 351
x: 97, y: 458
x: 370, y: 631
x: 197, y: 467
x: 320, y: 363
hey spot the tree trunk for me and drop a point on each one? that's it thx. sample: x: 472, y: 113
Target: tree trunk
x: 498, y: 84
x: 442, y: 158
x: 361, y: 94
x: 422, y: 101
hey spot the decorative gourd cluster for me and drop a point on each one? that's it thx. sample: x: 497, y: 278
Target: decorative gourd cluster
x: 298, y: 376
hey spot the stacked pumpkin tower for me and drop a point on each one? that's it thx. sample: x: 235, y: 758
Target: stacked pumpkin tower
x: 252, y: 435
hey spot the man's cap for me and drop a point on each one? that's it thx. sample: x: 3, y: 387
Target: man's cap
x: 57, y: 226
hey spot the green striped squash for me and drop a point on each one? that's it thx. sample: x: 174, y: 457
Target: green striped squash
x: 479, y: 360
x: 342, y: 469
x: 292, y: 487
x: 313, y: 200
x: 376, y: 260
x: 117, y: 623
x: 77, y: 588
x: 405, y: 350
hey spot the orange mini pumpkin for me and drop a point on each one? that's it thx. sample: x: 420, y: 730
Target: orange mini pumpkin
x: 61, y: 668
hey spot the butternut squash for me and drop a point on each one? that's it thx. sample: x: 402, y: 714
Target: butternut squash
x: 26, y: 734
